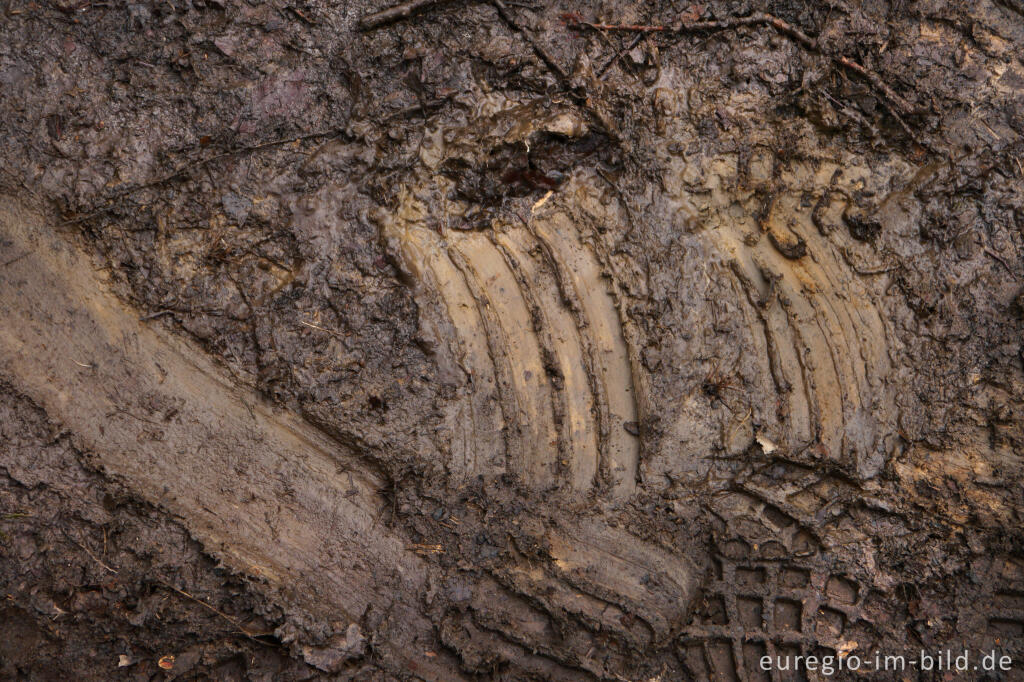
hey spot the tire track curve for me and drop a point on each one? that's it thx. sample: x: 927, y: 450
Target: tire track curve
x: 531, y: 313
x: 824, y: 339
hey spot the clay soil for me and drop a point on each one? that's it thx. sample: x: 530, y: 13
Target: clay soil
x: 509, y: 340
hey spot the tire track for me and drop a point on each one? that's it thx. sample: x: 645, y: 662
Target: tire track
x: 606, y: 345
x: 579, y: 435
x: 531, y: 311
x: 824, y: 339
x: 509, y: 325
x: 480, y: 443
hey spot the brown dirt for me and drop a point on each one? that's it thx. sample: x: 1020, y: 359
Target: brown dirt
x: 488, y: 343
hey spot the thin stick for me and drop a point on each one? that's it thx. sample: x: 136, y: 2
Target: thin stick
x: 401, y: 11
x: 1003, y: 263
x: 16, y: 259
x: 618, y: 55
x: 91, y: 555
x: 195, y: 165
x: 877, y: 82
x: 642, y: 28
x: 220, y: 613
x: 323, y: 329
x: 545, y: 56
x: 563, y: 78
x: 811, y: 44
x: 153, y: 316
x: 899, y: 104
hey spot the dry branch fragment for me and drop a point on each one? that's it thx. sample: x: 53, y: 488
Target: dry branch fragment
x: 395, y: 13
x: 896, y: 104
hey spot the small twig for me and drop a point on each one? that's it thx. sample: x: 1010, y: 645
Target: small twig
x: 696, y: 26
x: 197, y: 164
x: 300, y: 15
x: 578, y: 97
x: 618, y: 55
x: 232, y: 152
x: 16, y: 259
x: 539, y: 49
x: 426, y: 549
x: 811, y: 44
x: 335, y: 334
x: 220, y: 613
x: 401, y: 11
x: 153, y: 316
x: 91, y: 555
x: 1003, y: 263
x: 571, y: 20
x: 872, y: 77
x: 323, y: 329
x: 425, y: 107
x: 895, y: 104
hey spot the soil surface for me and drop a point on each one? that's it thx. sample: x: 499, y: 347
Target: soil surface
x: 505, y: 340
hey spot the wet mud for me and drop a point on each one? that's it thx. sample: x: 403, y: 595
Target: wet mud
x: 509, y: 341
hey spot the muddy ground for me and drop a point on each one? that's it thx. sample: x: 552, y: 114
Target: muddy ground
x: 509, y: 341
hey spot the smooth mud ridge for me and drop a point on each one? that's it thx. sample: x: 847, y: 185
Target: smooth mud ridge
x: 506, y: 341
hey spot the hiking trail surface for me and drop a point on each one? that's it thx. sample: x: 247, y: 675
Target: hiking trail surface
x: 444, y: 340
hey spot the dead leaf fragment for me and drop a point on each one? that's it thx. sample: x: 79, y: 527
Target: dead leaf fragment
x: 767, y: 446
